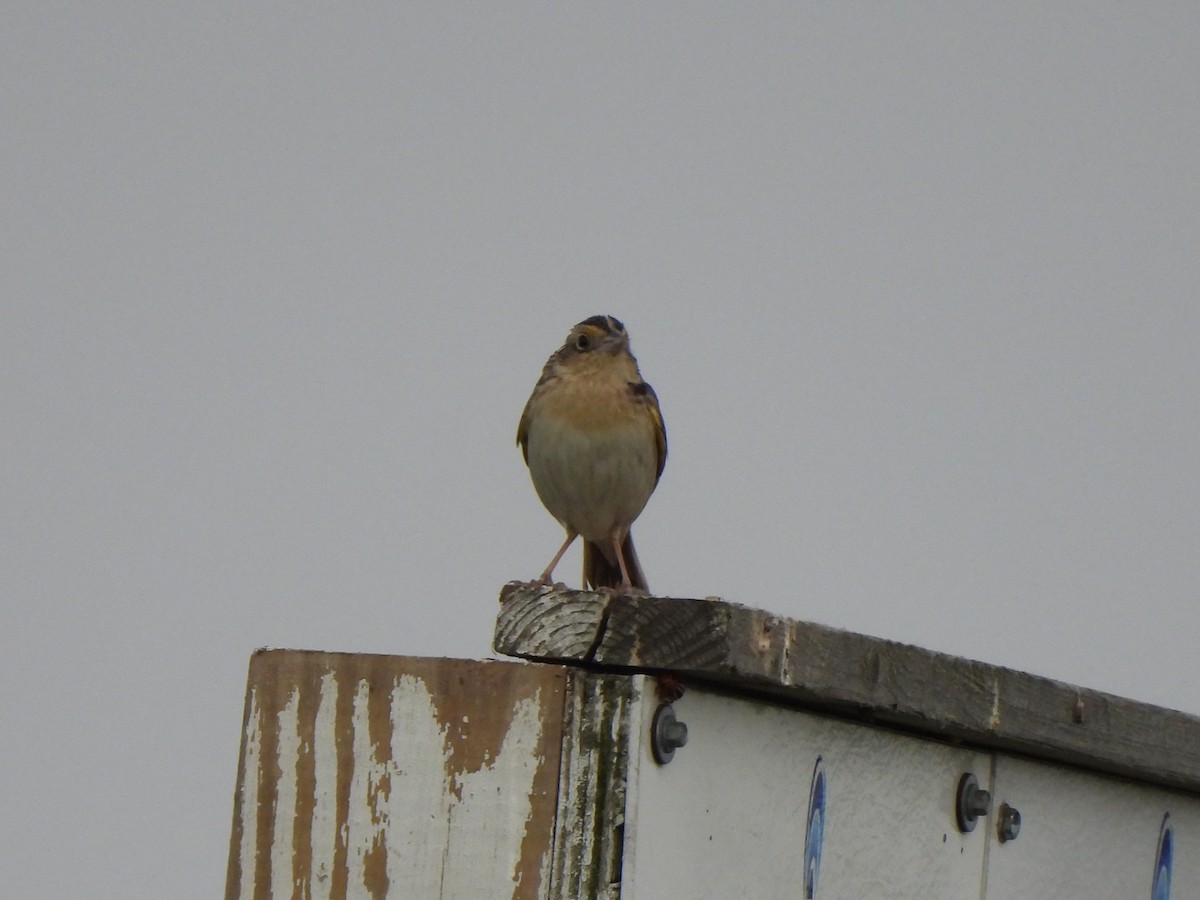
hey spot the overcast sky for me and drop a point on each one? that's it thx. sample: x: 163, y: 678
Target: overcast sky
x: 916, y: 285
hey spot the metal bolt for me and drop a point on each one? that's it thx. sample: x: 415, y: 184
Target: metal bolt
x: 971, y: 802
x: 667, y: 734
x: 1008, y: 824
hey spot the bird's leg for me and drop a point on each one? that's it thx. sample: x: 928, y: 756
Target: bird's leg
x: 545, y: 576
x: 617, y: 539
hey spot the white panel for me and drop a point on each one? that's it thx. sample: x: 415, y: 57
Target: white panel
x: 729, y: 816
x: 1087, y: 836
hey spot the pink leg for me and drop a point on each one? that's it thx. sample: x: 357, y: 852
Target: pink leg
x: 545, y: 577
x: 626, y: 584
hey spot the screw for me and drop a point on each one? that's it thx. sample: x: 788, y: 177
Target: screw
x: 667, y: 734
x: 1009, y: 823
x: 971, y: 803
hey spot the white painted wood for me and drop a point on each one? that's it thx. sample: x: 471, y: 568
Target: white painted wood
x: 728, y: 817
x: 287, y: 754
x: 324, y: 815
x: 374, y: 777
x: 487, y: 823
x: 364, y: 823
x: 246, y: 803
x: 1088, y: 836
x: 417, y: 798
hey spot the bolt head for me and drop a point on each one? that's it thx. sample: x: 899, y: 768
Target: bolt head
x: 971, y: 802
x: 1009, y: 823
x: 667, y: 734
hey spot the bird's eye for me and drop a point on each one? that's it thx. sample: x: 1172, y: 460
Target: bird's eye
x: 583, y: 342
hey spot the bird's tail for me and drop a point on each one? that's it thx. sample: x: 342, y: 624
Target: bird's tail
x: 601, y: 572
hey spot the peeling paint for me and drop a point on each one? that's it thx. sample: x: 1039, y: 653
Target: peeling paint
x: 364, y: 829
x: 287, y: 754
x: 417, y: 802
x: 248, y: 807
x: 489, y: 799
x: 381, y: 776
x: 323, y: 833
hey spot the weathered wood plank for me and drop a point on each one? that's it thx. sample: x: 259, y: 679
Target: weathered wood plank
x: 571, y: 631
x: 814, y: 666
x: 589, y: 835
x: 392, y: 776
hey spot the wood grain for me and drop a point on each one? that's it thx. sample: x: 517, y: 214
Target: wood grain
x: 816, y: 667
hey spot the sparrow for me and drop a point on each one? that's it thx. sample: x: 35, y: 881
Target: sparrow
x: 593, y: 437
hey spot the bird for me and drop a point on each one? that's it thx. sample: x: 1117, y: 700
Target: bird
x: 593, y: 437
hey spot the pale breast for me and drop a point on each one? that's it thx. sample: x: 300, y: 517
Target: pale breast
x: 593, y: 457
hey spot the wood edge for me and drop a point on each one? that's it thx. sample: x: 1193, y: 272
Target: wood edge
x: 755, y: 653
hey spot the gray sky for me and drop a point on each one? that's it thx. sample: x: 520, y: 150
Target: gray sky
x: 915, y: 283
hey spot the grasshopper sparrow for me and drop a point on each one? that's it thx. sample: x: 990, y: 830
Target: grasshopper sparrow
x: 593, y: 438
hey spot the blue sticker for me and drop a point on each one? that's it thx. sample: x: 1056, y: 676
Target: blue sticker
x: 1161, y: 889
x: 815, y: 835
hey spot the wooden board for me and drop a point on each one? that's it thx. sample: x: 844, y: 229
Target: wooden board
x: 390, y: 776
x: 817, y: 667
x: 599, y: 724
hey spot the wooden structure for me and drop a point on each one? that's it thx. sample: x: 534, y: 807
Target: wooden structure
x: 817, y: 763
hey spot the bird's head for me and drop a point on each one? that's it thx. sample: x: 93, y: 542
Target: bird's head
x: 599, y: 334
